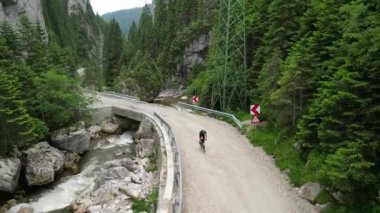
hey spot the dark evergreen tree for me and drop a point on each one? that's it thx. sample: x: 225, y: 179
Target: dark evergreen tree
x: 17, y: 127
x: 113, y: 51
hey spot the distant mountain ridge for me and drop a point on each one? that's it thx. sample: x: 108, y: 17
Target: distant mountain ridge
x: 125, y: 18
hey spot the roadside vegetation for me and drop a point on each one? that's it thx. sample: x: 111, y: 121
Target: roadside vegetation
x: 146, y: 205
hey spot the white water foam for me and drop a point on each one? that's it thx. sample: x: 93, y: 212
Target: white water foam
x: 68, y: 189
x: 65, y: 192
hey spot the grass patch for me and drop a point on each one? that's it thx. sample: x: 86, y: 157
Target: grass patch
x: 146, y: 205
x: 324, y: 197
x: 285, y: 155
x: 152, y: 164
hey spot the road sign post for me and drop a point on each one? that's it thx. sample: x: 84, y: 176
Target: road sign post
x: 255, y: 110
x: 195, y: 100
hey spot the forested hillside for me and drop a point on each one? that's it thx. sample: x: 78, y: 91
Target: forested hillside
x: 38, y: 92
x: 125, y: 18
x: 312, y: 65
x: 40, y: 86
x: 156, y: 45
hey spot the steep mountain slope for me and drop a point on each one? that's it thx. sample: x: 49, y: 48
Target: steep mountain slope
x: 73, y: 24
x: 125, y: 18
x: 12, y: 10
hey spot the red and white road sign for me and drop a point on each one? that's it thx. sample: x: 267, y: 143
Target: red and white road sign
x: 255, y: 120
x: 195, y: 99
x: 255, y: 109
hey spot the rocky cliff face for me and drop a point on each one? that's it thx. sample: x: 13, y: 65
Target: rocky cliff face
x: 79, y: 9
x: 77, y: 6
x: 195, y: 54
x: 12, y: 10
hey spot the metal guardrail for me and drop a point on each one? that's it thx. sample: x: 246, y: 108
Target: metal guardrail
x: 211, y: 111
x: 176, y: 200
x: 121, y: 95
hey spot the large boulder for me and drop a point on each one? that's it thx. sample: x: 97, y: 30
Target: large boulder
x: 42, y: 163
x: 78, y: 141
x: 310, y: 191
x: 113, y: 173
x: 145, y: 148
x: 110, y: 128
x: 39, y: 171
x: 146, y: 130
x: 95, y: 131
x: 9, y: 174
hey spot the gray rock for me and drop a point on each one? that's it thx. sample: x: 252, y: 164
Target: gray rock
x: 113, y: 173
x: 78, y: 126
x: 110, y: 128
x: 22, y: 208
x: 338, y: 196
x: 38, y: 170
x: 78, y: 141
x: 195, y: 54
x: 42, y: 163
x: 146, y: 130
x: 145, y: 148
x: 11, y: 11
x: 9, y: 174
x: 94, y: 131
x: 72, y: 157
x: 77, y: 6
x: 132, y: 190
x: 50, y: 154
x: 134, y: 166
x: 310, y: 191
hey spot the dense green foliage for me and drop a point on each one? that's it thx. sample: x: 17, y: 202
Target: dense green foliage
x: 161, y: 39
x: 314, y: 67
x: 38, y: 93
x: 78, y: 31
x: 142, y: 78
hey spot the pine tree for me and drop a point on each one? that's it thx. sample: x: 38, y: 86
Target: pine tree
x: 160, y: 24
x: 56, y: 103
x: 12, y: 39
x: 33, y: 44
x: 142, y: 78
x: 145, y: 31
x: 16, y: 126
x: 334, y: 125
x: 113, y: 51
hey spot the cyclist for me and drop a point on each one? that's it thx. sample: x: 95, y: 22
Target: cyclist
x: 202, y: 137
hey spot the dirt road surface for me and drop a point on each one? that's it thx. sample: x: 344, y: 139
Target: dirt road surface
x: 232, y: 176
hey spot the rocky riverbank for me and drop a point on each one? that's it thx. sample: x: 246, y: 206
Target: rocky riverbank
x: 122, y: 182
x: 40, y: 166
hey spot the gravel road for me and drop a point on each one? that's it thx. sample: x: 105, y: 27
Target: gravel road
x: 232, y: 176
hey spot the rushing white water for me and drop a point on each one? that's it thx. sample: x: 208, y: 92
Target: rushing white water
x: 68, y: 189
x: 116, y: 140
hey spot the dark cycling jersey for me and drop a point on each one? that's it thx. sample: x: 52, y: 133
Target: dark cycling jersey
x: 202, y: 134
